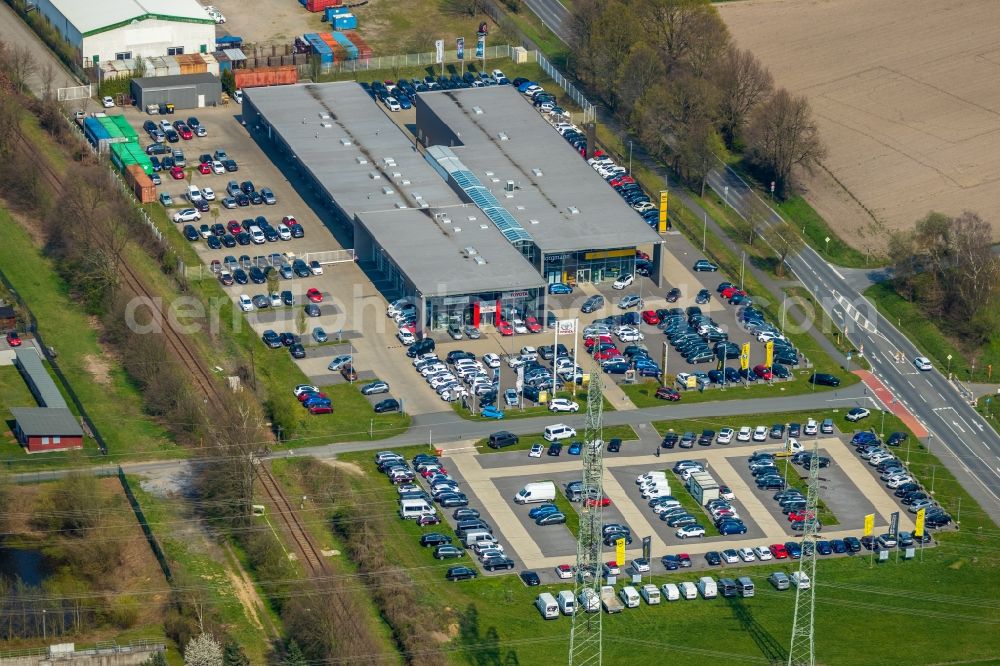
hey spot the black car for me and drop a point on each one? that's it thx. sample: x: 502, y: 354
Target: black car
x: 213, y: 242
x: 297, y: 351
x: 460, y: 573
x: 289, y: 339
x: 434, y: 539
x: 387, y: 405
x: 853, y: 544
x: 614, y: 445
x: 713, y: 558
x: 240, y: 276
x: 896, y: 438
x: 502, y: 439
x: 257, y: 276
x: 247, y: 187
x: 312, y: 310
x: 611, y: 537
x: 271, y: 339
x: 824, y: 379
x: 494, y: 563
x: 555, y: 449
x: 669, y: 440
x: 190, y: 232
x: 530, y: 578
x: 230, y: 165
x: 465, y: 514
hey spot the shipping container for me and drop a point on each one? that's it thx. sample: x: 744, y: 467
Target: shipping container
x: 335, y: 11
x: 94, y: 131
x: 320, y: 5
x: 339, y: 53
x: 347, y: 45
x: 141, y: 184
x: 266, y: 76
x: 112, y: 129
x: 364, y: 51
x: 125, y: 128
x: 321, y: 49
x: 344, y: 22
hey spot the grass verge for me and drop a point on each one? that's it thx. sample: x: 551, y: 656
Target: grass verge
x: 622, y: 432
x: 817, y: 232
x: 569, y: 510
x: 536, y: 410
x: 929, y: 337
x: 793, y: 477
x: 643, y: 394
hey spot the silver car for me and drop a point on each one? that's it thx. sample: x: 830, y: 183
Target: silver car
x: 471, y: 332
x: 319, y: 335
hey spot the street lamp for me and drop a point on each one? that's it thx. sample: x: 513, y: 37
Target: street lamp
x: 725, y: 191
x: 704, y: 230
x: 630, y: 157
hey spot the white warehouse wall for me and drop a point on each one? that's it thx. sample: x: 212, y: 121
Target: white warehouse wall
x: 149, y: 38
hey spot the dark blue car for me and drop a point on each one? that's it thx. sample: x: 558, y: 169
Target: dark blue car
x: 560, y: 288
x: 617, y: 368
x: 543, y: 510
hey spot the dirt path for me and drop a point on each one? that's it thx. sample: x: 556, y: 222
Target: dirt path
x: 246, y: 593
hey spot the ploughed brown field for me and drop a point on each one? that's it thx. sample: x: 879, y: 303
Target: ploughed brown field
x: 907, y: 97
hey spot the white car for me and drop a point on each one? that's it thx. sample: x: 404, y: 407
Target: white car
x: 564, y: 571
x: 760, y: 434
x: 725, y: 436
x: 640, y: 565
x: 762, y: 553
x: 246, y: 304
x: 217, y: 168
x: 275, y: 299
x: 800, y: 579
x: 315, y: 267
x: 492, y: 360
x: 187, y: 215
x: 108, y: 102
x: 810, y: 428
x: 630, y: 335
x: 563, y: 405
x: 746, y: 554
x: 923, y: 363
x: 284, y: 233
x: 529, y: 353
x: 899, y: 481
x: 405, y: 336
x: 208, y: 194
x: 623, y: 281
x: 729, y: 556
x: 744, y: 434
x: 726, y: 493
x: 536, y: 451
x: 519, y: 326
x: 340, y: 361
x: 305, y: 388
x: 393, y: 104
x: 690, y: 531
x: 857, y: 413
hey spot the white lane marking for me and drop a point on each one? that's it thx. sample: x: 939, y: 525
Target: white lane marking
x: 922, y: 397
x: 835, y: 271
x: 940, y: 396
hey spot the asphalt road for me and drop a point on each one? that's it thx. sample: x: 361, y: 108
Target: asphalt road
x: 553, y: 14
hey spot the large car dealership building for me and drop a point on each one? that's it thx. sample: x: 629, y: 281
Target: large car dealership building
x: 477, y: 219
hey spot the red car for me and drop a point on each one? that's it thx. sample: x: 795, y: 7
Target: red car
x: 532, y: 324
x: 779, y: 551
x: 289, y: 220
x: 314, y: 295
x: 729, y: 292
x: 412, y: 328
x: 624, y: 180
x: 607, y: 354
x: 205, y: 169
x: 234, y: 227
x: 639, y: 254
x: 177, y: 173
x: 762, y: 371
x: 591, y: 341
x: 650, y: 317
x: 321, y: 409
x: 13, y: 339
x: 184, y: 131
x: 605, y: 501
x: 505, y: 328
x: 311, y: 394
x: 797, y: 516
x: 430, y: 471
x: 428, y: 519
x: 667, y: 393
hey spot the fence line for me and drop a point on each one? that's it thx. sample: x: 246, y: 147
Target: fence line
x: 589, y: 113
x: 414, y: 60
x: 141, y: 517
x: 100, y: 648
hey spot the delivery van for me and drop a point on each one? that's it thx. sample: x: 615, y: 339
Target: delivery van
x: 650, y: 593
x: 707, y: 587
x: 670, y: 592
x: 589, y: 601
x: 727, y: 586
x: 547, y: 606
x: 414, y: 508
x: 688, y: 590
x: 567, y: 602
x: 477, y: 536
x: 629, y: 596
x: 745, y: 586
x: 541, y: 491
x: 559, y: 431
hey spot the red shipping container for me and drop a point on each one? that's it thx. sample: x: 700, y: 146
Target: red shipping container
x: 266, y: 76
x: 141, y: 184
x: 364, y: 51
x: 320, y: 5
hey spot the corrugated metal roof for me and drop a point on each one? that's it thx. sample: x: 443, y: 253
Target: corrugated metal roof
x: 95, y: 15
x: 234, y: 54
x: 42, y: 385
x: 41, y: 422
x: 157, y: 82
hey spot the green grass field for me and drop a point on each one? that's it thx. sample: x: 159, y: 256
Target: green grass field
x: 623, y: 432
x: 13, y: 393
x: 816, y: 230
x: 794, y: 479
x: 643, y: 394
x: 945, y: 590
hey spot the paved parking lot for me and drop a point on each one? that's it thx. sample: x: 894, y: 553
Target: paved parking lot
x: 491, y: 479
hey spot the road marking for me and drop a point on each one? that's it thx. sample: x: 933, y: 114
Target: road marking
x: 911, y: 384
x: 922, y: 397
x: 835, y: 271
x: 955, y: 423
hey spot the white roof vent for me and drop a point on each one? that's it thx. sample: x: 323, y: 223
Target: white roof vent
x: 520, y: 207
x: 495, y: 179
x: 502, y: 136
x: 484, y: 226
x: 361, y: 159
x: 389, y: 161
x: 386, y: 190
x: 508, y: 195
x: 456, y: 229
x: 573, y: 210
x: 445, y: 219
x: 489, y: 174
x: 533, y: 221
x: 472, y: 218
x: 375, y: 175
x: 416, y: 196
x: 478, y: 110
x: 326, y: 125
x: 400, y: 205
x: 324, y: 115
x: 470, y: 251
x: 396, y: 174
x: 345, y: 141
x: 424, y: 204
x: 479, y: 260
x: 537, y: 172
x: 405, y: 181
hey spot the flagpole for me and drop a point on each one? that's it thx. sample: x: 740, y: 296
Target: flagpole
x: 576, y: 343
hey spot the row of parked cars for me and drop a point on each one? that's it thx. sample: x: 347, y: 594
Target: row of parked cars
x: 173, y: 132
x: 312, y: 399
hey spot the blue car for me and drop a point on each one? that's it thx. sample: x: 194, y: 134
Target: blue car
x: 543, y: 510
x: 492, y: 412
x: 794, y: 549
x: 619, y: 368
x: 560, y: 288
x: 524, y: 86
x: 316, y: 402
x: 575, y: 448
x: 823, y: 547
x: 732, y: 527
x: 404, y: 101
x: 863, y: 437
x: 671, y: 562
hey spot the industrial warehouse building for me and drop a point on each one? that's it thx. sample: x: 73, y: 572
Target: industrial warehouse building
x: 103, y: 30
x: 477, y: 219
x: 184, y: 91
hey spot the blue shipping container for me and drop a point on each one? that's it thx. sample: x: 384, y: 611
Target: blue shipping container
x: 330, y: 12
x: 94, y: 131
x: 352, y: 50
x: 345, y: 22
x: 321, y: 49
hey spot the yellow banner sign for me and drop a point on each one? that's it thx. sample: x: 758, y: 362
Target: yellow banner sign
x: 620, y: 552
x: 745, y: 357
x: 692, y: 382
x: 869, y: 524
x: 918, y: 525
x: 769, y: 354
x: 663, y: 211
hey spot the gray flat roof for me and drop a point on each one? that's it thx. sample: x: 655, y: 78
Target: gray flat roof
x: 30, y: 364
x: 431, y: 248
x: 175, y: 80
x: 604, y: 220
x: 43, y: 421
x: 339, y: 135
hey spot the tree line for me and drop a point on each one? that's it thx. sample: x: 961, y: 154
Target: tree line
x: 670, y: 73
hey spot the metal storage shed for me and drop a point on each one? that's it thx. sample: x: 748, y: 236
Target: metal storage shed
x: 184, y: 91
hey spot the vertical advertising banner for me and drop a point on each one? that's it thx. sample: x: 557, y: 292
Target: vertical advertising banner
x: 460, y: 48
x: 662, y: 227
x: 745, y: 357
x: 918, y: 526
x: 869, y: 524
x: 620, y: 552
x: 647, y: 547
x: 481, y: 46
x: 439, y: 51
x: 894, y: 523
x: 769, y: 354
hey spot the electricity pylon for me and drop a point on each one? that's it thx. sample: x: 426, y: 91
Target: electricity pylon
x: 585, y: 641
x: 803, y: 649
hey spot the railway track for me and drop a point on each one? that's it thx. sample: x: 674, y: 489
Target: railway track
x: 307, y: 551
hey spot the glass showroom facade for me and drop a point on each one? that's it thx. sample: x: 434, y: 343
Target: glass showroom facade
x: 588, y: 265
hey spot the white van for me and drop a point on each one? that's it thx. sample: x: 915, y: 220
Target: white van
x: 707, y: 587
x: 558, y: 431
x: 547, y: 606
x: 650, y: 593
x: 650, y: 476
x: 688, y: 590
x: 193, y: 194
x: 800, y: 579
x: 589, y: 601
x: 670, y: 591
x: 745, y: 586
x: 567, y: 602
x: 477, y: 536
x: 662, y: 490
x: 414, y: 508
x: 257, y: 235
x: 540, y: 491
x: 629, y: 596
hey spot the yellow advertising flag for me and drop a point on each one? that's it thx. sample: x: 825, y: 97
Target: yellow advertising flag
x: 620, y: 552
x: 745, y: 357
x: 662, y: 228
x: 869, y: 524
x: 918, y: 528
x: 769, y: 354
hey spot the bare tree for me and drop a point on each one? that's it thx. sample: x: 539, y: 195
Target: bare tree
x: 21, y: 65
x: 689, y: 33
x: 743, y: 84
x: 782, y: 136
x: 786, y: 241
x: 975, y: 268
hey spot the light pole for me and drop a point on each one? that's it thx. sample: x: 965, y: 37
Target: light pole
x: 743, y: 256
x: 630, y: 157
x: 725, y: 191
x: 704, y: 230
x: 881, y: 431
x: 949, y: 366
